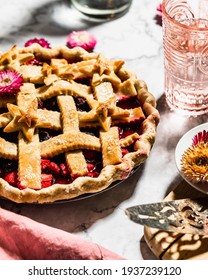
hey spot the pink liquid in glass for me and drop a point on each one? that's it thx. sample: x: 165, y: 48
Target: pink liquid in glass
x: 185, y: 42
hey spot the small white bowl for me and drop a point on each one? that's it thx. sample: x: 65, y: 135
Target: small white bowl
x: 184, y: 143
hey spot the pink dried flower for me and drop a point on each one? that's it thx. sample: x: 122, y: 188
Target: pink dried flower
x: 41, y: 41
x: 159, y: 10
x: 10, y: 82
x: 83, y: 39
x: 158, y: 16
x: 200, y: 137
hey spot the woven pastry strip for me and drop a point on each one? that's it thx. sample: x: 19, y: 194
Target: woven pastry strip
x: 8, y: 149
x: 127, y: 141
x: 52, y: 119
x: 67, y: 142
x: 48, y: 119
x: 32, y: 74
x: 75, y: 160
x: 111, y: 150
x: 62, y: 87
x: 71, y: 55
x: 68, y: 109
x: 14, y: 58
x: 83, y: 69
x: 29, y: 169
x: 87, y: 118
x: 106, y: 104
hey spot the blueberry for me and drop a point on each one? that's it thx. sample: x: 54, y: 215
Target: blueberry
x: 44, y: 135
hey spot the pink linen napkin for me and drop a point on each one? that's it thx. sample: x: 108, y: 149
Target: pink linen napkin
x: 21, y: 238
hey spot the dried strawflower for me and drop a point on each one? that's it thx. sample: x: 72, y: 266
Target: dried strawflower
x: 200, y: 137
x: 41, y: 41
x: 194, y: 163
x: 158, y: 16
x: 159, y: 10
x: 83, y: 39
x: 10, y: 82
x: 194, y: 160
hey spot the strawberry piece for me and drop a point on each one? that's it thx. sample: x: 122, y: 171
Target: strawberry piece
x: 130, y: 129
x: 46, y: 180
x: 64, y: 169
x: 53, y: 167
x: 93, y: 174
x: 12, y: 178
x: 21, y: 187
x: 45, y: 164
x: 122, y: 98
x: 49, y: 166
x: 90, y: 166
x: 124, y: 151
x: 35, y: 61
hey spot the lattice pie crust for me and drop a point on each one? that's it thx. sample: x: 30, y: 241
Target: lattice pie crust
x: 66, y: 75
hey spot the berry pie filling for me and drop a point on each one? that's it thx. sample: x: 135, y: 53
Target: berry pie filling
x: 70, y: 119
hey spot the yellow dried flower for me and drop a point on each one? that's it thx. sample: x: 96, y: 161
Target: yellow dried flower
x: 194, y: 163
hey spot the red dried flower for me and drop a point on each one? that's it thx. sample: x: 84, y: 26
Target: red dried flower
x: 83, y: 39
x: 41, y: 41
x: 200, y: 137
x: 10, y: 82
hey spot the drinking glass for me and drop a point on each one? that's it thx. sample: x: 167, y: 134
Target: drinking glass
x: 101, y: 10
x: 185, y: 43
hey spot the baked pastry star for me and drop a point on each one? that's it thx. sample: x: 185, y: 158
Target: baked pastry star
x: 24, y: 116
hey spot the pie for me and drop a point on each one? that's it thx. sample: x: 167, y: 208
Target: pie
x: 78, y: 123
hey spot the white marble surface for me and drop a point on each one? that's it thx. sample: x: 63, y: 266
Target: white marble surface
x: 136, y: 38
